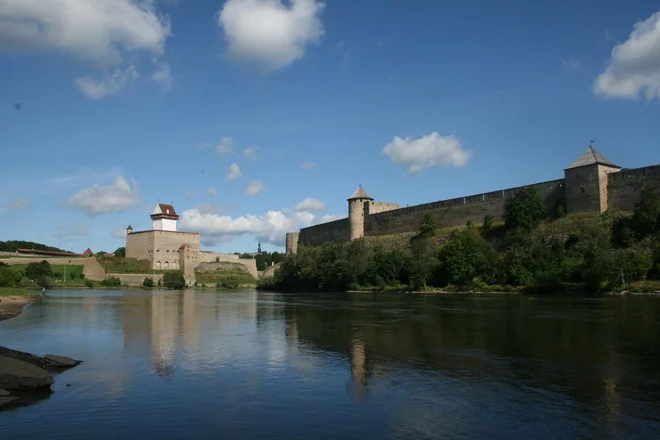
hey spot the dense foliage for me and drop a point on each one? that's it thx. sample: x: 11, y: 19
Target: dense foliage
x: 174, y: 280
x: 528, y: 252
x: 148, y: 282
x: 264, y: 259
x: 111, y: 282
x: 120, y: 252
x: 14, y: 245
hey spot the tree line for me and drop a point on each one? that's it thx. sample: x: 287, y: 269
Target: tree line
x: 531, y: 251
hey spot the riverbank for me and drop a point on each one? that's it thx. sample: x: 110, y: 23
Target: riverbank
x: 12, y: 301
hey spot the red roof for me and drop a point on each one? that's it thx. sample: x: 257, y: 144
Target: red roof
x: 166, y: 211
x: 88, y: 253
x: 53, y: 253
x: 184, y: 245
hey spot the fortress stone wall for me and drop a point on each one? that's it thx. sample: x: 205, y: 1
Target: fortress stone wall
x: 591, y: 184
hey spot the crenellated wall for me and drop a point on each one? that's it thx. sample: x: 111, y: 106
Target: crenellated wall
x: 331, y: 231
x: 625, y: 187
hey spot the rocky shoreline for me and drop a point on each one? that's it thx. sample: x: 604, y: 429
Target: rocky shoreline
x: 24, y: 377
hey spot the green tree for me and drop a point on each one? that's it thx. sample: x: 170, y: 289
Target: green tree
x: 423, y: 262
x: 34, y: 271
x: 120, y: 252
x: 524, y: 210
x: 427, y: 227
x: 174, y: 280
x: 646, y: 219
x: 464, y: 257
x: 560, y: 212
x: 111, y: 282
x: 596, y: 258
x: 632, y: 264
x: 487, y: 225
x: 9, y: 277
x: 148, y: 282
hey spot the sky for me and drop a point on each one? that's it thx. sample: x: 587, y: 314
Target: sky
x: 259, y: 117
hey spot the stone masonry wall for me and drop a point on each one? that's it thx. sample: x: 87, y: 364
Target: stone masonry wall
x: 135, y: 279
x: 625, y: 187
x: 331, y: 231
x: 456, y: 212
x: 376, y: 207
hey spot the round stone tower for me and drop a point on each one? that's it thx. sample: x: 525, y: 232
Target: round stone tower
x: 356, y: 213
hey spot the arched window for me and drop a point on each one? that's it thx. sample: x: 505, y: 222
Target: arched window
x: 167, y: 265
x: 157, y: 265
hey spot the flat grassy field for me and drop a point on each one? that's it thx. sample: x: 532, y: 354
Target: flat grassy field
x: 241, y: 276
x: 73, y: 272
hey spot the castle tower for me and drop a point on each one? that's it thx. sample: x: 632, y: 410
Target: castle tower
x: 356, y: 213
x: 129, y: 229
x: 586, y: 182
x: 164, y: 218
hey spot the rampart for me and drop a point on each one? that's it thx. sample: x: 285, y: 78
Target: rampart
x: 458, y: 211
x: 624, y: 189
x: 318, y: 234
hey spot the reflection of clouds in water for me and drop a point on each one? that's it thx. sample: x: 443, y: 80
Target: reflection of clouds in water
x: 114, y: 381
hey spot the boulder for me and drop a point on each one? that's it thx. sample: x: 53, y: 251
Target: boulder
x: 61, y: 361
x: 4, y: 393
x: 17, y: 374
x: 6, y: 400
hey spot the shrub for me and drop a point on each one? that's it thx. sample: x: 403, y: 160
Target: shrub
x: 89, y: 284
x: 148, y: 282
x: 229, y: 282
x: 45, y: 282
x: 487, y: 226
x: 524, y: 210
x: 35, y: 271
x: 111, y: 282
x: 9, y: 278
x: 174, y: 280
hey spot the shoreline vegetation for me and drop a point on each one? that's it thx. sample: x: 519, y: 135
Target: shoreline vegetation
x: 531, y: 251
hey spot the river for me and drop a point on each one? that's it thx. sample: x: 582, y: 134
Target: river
x: 248, y: 365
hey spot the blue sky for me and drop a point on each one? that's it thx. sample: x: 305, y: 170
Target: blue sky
x: 129, y: 102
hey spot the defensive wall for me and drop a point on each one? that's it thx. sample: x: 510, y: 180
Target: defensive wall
x: 625, y: 187
x: 591, y: 184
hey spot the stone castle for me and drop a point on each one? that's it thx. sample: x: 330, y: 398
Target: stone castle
x: 591, y: 184
x: 168, y: 249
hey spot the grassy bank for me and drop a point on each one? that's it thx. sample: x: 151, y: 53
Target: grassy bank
x: 125, y: 265
x: 16, y: 291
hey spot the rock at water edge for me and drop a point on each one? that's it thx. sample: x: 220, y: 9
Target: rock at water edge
x: 62, y: 360
x: 4, y: 393
x: 15, y: 374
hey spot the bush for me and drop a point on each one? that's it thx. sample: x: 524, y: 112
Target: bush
x: 148, y: 282
x: 45, y: 282
x: 89, y: 284
x: 35, y: 271
x: 9, y: 278
x: 487, y: 225
x: 111, y: 282
x: 174, y: 280
x: 229, y: 282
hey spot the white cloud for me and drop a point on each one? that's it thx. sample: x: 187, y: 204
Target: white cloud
x: 99, y: 199
x: 163, y: 75
x: 17, y: 205
x: 119, y: 233
x: 190, y: 194
x: 71, y: 232
x: 251, y: 153
x: 254, y: 188
x: 269, y: 34
x: 308, y: 166
x: 225, y: 147
x: 211, y: 191
x: 101, y: 33
x: 234, y: 173
x: 208, y: 208
x: 269, y: 228
x: 108, y: 85
x: 309, y: 204
x: 427, y: 151
x: 635, y: 64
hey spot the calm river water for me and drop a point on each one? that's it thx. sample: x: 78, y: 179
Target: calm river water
x: 247, y: 365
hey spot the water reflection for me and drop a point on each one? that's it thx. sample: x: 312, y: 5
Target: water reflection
x: 256, y: 365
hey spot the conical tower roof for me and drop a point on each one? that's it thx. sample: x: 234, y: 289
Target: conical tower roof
x: 592, y: 157
x: 360, y: 193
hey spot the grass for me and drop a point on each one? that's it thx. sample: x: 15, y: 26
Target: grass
x: 15, y: 291
x: 241, y: 276
x: 126, y: 265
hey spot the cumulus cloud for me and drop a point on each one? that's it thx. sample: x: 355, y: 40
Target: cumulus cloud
x: 208, y: 208
x: 234, y: 173
x: 269, y: 228
x: 254, y: 187
x: 432, y: 150
x: 268, y: 33
x: 100, y: 199
x: 212, y: 191
x: 251, y: 153
x: 102, y: 33
x: 308, y: 166
x: 107, y: 85
x: 310, y: 204
x: 634, y: 67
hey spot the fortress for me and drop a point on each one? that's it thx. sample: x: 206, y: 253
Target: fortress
x: 591, y: 184
x: 168, y: 249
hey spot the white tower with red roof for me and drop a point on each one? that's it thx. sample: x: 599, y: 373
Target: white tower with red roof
x: 164, y: 218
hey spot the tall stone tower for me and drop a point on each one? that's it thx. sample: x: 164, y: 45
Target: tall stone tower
x: 356, y: 213
x: 164, y: 218
x: 586, y: 182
